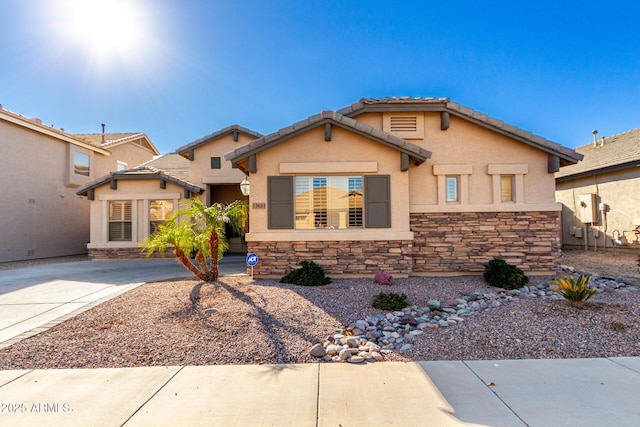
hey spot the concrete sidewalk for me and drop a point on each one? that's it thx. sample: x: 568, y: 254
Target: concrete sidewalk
x: 577, y: 392
x: 35, y: 298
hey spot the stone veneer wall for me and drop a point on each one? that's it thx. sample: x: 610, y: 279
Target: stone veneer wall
x: 462, y: 242
x: 351, y: 257
x: 124, y: 253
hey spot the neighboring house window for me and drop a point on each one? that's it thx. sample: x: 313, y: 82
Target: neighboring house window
x: 81, y: 163
x: 121, y: 166
x: 506, y: 188
x: 159, y: 212
x: 328, y: 202
x: 453, y: 194
x: 120, y: 221
x: 215, y: 163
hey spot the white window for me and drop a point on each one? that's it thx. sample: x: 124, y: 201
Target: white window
x: 506, y: 188
x: 121, y: 166
x: 81, y: 164
x: 333, y: 202
x: 159, y: 212
x: 453, y: 195
x: 120, y: 221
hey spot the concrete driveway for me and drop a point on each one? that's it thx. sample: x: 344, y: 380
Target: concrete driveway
x: 35, y: 298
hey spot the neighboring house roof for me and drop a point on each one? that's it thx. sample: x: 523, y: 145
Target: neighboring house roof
x: 418, y: 154
x: 184, y: 150
x: 140, y: 172
x: 173, y: 164
x: 108, y: 140
x: 613, y: 153
x: 36, y: 125
x: 567, y: 156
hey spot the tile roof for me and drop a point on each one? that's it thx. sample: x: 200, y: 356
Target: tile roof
x: 112, y: 139
x: 215, y: 135
x: 618, y: 150
x: 173, y: 164
x: 417, y: 153
x: 140, y: 172
x: 392, y: 104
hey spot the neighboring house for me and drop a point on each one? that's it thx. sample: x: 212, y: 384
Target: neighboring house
x: 412, y: 186
x: 41, y: 168
x: 601, y: 194
x: 127, y: 205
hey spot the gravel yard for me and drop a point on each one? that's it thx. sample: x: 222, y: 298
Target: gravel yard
x: 239, y: 321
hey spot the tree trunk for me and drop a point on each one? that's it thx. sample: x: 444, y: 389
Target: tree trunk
x: 186, y: 263
x: 202, y: 262
x: 214, y: 243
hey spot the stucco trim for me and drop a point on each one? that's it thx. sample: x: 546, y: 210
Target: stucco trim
x: 328, y: 235
x: 502, y: 207
x: 328, y: 167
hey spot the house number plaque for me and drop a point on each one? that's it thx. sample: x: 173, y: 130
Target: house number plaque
x: 259, y: 205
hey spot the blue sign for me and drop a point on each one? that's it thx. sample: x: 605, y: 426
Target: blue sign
x: 252, y: 259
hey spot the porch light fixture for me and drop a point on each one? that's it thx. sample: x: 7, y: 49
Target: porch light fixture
x: 245, y: 186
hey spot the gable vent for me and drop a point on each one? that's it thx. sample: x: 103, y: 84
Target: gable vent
x: 403, y: 124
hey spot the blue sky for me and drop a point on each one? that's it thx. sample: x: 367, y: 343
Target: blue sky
x: 557, y: 69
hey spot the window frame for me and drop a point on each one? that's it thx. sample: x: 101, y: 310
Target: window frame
x: 512, y: 184
x: 77, y: 166
x: 154, y: 223
x: 455, y: 180
x: 216, y: 162
x: 121, y: 222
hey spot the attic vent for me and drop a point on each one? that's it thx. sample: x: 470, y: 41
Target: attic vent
x: 403, y: 124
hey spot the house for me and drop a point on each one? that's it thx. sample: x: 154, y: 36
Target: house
x: 41, y: 168
x: 600, y: 195
x: 127, y: 205
x: 412, y: 186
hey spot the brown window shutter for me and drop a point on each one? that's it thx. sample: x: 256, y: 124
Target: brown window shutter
x: 377, y: 199
x: 280, y: 196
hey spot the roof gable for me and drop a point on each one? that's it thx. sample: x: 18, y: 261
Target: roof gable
x: 613, y: 153
x: 37, y: 126
x: 137, y: 173
x: 418, y: 154
x: 233, y: 129
x: 566, y: 155
x: 109, y: 140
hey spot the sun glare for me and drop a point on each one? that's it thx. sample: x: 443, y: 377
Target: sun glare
x: 105, y: 27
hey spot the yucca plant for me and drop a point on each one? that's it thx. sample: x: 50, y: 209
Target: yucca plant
x: 575, y: 291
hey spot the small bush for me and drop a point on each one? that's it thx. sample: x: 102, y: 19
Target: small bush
x: 311, y: 274
x: 384, y: 278
x: 502, y: 275
x: 575, y: 291
x: 390, y: 301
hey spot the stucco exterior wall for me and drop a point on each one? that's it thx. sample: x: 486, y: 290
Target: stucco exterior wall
x: 343, y: 155
x: 619, y: 191
x: 41, y: 216
x: 130, y: 154
x: 201, y: 172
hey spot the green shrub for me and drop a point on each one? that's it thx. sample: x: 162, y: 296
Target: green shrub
x: 311, y: 274
x: 502, y: 275
x: 390, y: 301
x: 575, y: 291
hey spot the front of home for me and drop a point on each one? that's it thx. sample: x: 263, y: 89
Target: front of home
x: 413, y: 186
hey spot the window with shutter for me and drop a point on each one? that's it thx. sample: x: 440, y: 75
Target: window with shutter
x: 120, y: 221
x: 159, y: 212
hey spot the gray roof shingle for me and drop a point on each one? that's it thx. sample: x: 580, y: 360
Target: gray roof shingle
x: 618, y: 150
x: 215, y: 135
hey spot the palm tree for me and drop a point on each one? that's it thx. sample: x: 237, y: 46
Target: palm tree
x: 199, y: 230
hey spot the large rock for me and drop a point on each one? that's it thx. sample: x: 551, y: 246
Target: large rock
x: 318, y: 351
